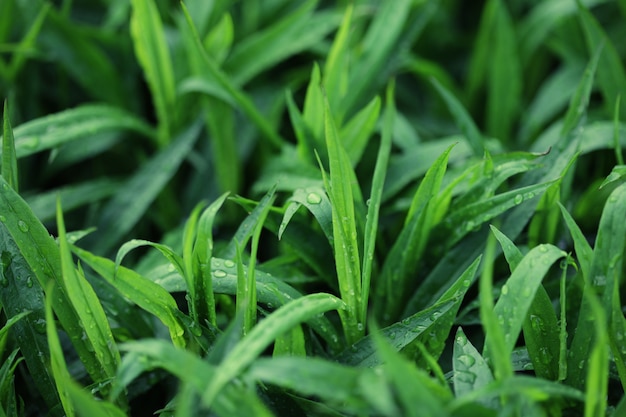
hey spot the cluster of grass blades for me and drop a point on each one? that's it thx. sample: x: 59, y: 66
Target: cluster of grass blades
x: 279, y: 208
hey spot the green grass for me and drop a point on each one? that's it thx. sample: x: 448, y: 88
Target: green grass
x: 281, y: 208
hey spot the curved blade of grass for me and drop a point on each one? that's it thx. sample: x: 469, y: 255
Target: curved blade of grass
x: 227, y: 84
x: 469, y: 218
x: 518, y: 292
x: 191, y: 369
x: 85, y: 403
x: 541, y: 329
x: 134, y: 198
x: 463, y: 119
x: 493, y: 328
x: 147, y: 295
x: 495, y: 64
x: 611, y: 73
x: 21, y: 297
x: 405, y: 254
x: 417, y: 394
x: 597, y: 376
x: 347, y: 258
x: 584, y: 252
x: 168, y: 252
x: 73, y: 196
x: 41, y: 253
x: 246, y: 228
x: 57, y: 360
x: 297, y: 32
x: 535, y: 389
x: 317, y: 202
x: 313, y: 111
x: 201, y: 263
x: 344, y: 388
x: 87, y: 306
x: 153, y: 55
x: 336, y: 67
x: 264, y: 333
x: 272, y: 292
x: 373, y: 209
x: 471, y: 371
x: 70, y: 125
x: 580, y: 99
x: 392, y: 27
x: 9, y: 159
x: 605, y: 269
x: 430, y: 326
x: 27, y: 42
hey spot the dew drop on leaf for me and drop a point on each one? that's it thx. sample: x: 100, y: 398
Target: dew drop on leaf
x: 518, y: 199
x: 467, y: 360
x: 313, y: 198
x: 219, y: 273
x: 229, y: 264
x: 29, y: 282
x: 505, y: 289
x: 3, y: 219
x: 22, y: 226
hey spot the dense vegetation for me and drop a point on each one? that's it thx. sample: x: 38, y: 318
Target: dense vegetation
x: 289, y: 208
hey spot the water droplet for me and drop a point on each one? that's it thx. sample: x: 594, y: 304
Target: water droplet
x: 435, y: 315
x: 505, y: 289
x: 461, y: 339
x: 40, y: 326
x: 22, y: 226
x: 30, y: 142
x: 359, y: 326
x: 313, y: 198
x: 29, y: 282
x: 537, y: 323
x: 467, y: 361
x: 466, y: 377
x: 518, y: 199
x: 229, y: 264
x: 219, y: 274
x: 599, y: 281
x: 3, y: 219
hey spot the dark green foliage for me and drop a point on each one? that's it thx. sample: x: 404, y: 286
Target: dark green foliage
x: 277, y: 208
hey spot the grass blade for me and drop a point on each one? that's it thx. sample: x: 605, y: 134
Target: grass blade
x: 605, y: 269
x: 611, y: 73
x: 471, y: 371
x: 339, y: 189
x: 147, y: 295
x: 87, y: 306
x: 406, y: 252
x: 152, y: 53
x: 41, y: 255
x: 283, y: 319
x: 191, y: 369
x: 580, y: 99
x: 57, y: 360
x: 518, y: 292
x: 68, y: 126
x: 238, y: 96
x: 202, y: 254
x: 9, y: 159
x: 373, y: 209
